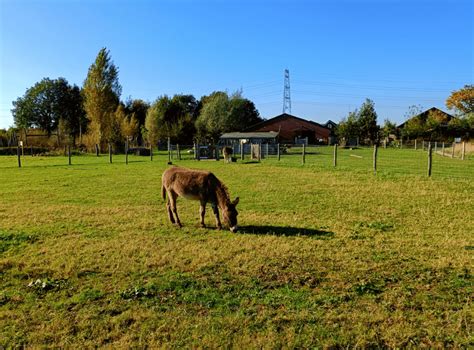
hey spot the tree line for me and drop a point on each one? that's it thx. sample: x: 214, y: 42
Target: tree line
x: 95, y: 115
x: 361, y: 124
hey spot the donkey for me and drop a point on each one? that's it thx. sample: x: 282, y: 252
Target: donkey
x: 227, y: 153
x: 198, y: 185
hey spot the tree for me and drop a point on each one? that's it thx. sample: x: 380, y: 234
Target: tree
x: 172, y: 117
x: 137, y: 109
x: 101, y: 98
x: 242, y: 114
x: 214, y: 114
x: 462, y: 100
x: 50, y: 104
x: 389, y: 128
x: 367, y: 120
x: 348, y: 128
x: 221, y: 113
x: 413, y: 111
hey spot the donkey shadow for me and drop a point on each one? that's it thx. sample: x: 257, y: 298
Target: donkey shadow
x: 285, y: 231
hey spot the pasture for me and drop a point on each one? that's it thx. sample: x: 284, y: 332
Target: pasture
x: 324, y: 257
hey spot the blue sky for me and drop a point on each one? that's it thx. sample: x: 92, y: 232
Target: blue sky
x: 398, y: 53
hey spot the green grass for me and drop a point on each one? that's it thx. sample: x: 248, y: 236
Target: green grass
x: 325, y: 257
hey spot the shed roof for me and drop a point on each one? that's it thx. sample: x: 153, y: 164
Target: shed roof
x: 250, y: 135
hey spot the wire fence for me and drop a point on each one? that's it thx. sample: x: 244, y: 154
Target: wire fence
x: 453, y: 160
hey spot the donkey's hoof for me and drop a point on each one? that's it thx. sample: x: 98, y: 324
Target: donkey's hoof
x: 179, y: 225
x: 202, y: 225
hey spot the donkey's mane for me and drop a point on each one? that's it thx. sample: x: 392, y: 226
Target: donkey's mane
x: 223, y: 197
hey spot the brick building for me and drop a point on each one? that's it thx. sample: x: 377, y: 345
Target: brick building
x: 293, y: 129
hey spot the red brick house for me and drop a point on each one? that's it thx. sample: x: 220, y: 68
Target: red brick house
x: 293, y: 129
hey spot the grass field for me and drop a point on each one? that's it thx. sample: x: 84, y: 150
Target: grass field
x: 324, y: 257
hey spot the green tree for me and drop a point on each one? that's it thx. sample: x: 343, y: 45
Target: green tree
x: 137, y: 109
x: 367, y: 121
x: 389, y: 128
x: 172, y: 117
x: 101, y: 98
x: 49, y: 104
x: 221, y: 113
x: 211, y: 122
x: 348, y: 128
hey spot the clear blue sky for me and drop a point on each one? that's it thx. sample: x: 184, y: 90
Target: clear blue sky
x: 398, y: 53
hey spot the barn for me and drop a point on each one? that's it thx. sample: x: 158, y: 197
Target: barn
x: 292, y: 129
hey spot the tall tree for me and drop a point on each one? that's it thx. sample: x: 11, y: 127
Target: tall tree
x: 49, y: 104
x: 348, y: 129
x: 367, y: 120
x: 137, y: 109
x: 462, y: 100
x: 214, y: 113
x: 389, y: 128
x: 172, y: 117
x: 221, y: 113
x: 101, y: 97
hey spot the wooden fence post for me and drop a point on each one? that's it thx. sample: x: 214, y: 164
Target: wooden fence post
x: 463, y: 152
x: 18, y: 152
x: 178, y: 150
x: 126, y: 152
x: 442, y: 149
x: 375, y: 159
x: 278, y: 151
x: 242, y: 151
x: 266, y: 150
x: 169, y: 150
x: 436, y: 146
x: 415, y: 145
x: 304, y: 153
x: 452, y: 150
x: 151, y: 152
x: 32, y: 151
x: 430, y: 159
x: 69, y: 154
x: 110, y: 153
x: 335, y: 155
x: 198, y: 152
x: 96, y: 150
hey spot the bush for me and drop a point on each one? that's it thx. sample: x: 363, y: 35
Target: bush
x: 139, y: 151
x: 12, y: 151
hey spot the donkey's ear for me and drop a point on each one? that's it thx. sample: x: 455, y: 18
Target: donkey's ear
x: 236, y: 201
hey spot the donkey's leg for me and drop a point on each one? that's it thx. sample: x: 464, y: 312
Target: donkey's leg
x: 170, y: 213
x: 173, y: 196
x: 202, y: 212
x: 215, y: 209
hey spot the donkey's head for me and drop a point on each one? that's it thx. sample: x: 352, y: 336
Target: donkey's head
x: 230, y: 215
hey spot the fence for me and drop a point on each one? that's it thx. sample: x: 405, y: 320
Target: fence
x: 424, y: 159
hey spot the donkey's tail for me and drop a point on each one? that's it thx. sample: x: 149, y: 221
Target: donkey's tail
x: 163, y: 191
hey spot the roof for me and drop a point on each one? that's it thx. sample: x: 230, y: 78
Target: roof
x: 283, y: 116
x: 250, y: 135
x: 424, y: 115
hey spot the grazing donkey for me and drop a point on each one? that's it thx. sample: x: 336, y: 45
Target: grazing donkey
x: 227, y: 153
x: 198, y: 185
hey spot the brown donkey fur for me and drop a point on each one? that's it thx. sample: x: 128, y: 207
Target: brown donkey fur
x: 202, y: 186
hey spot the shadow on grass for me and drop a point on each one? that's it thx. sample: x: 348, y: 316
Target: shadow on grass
x: 285, y: 231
